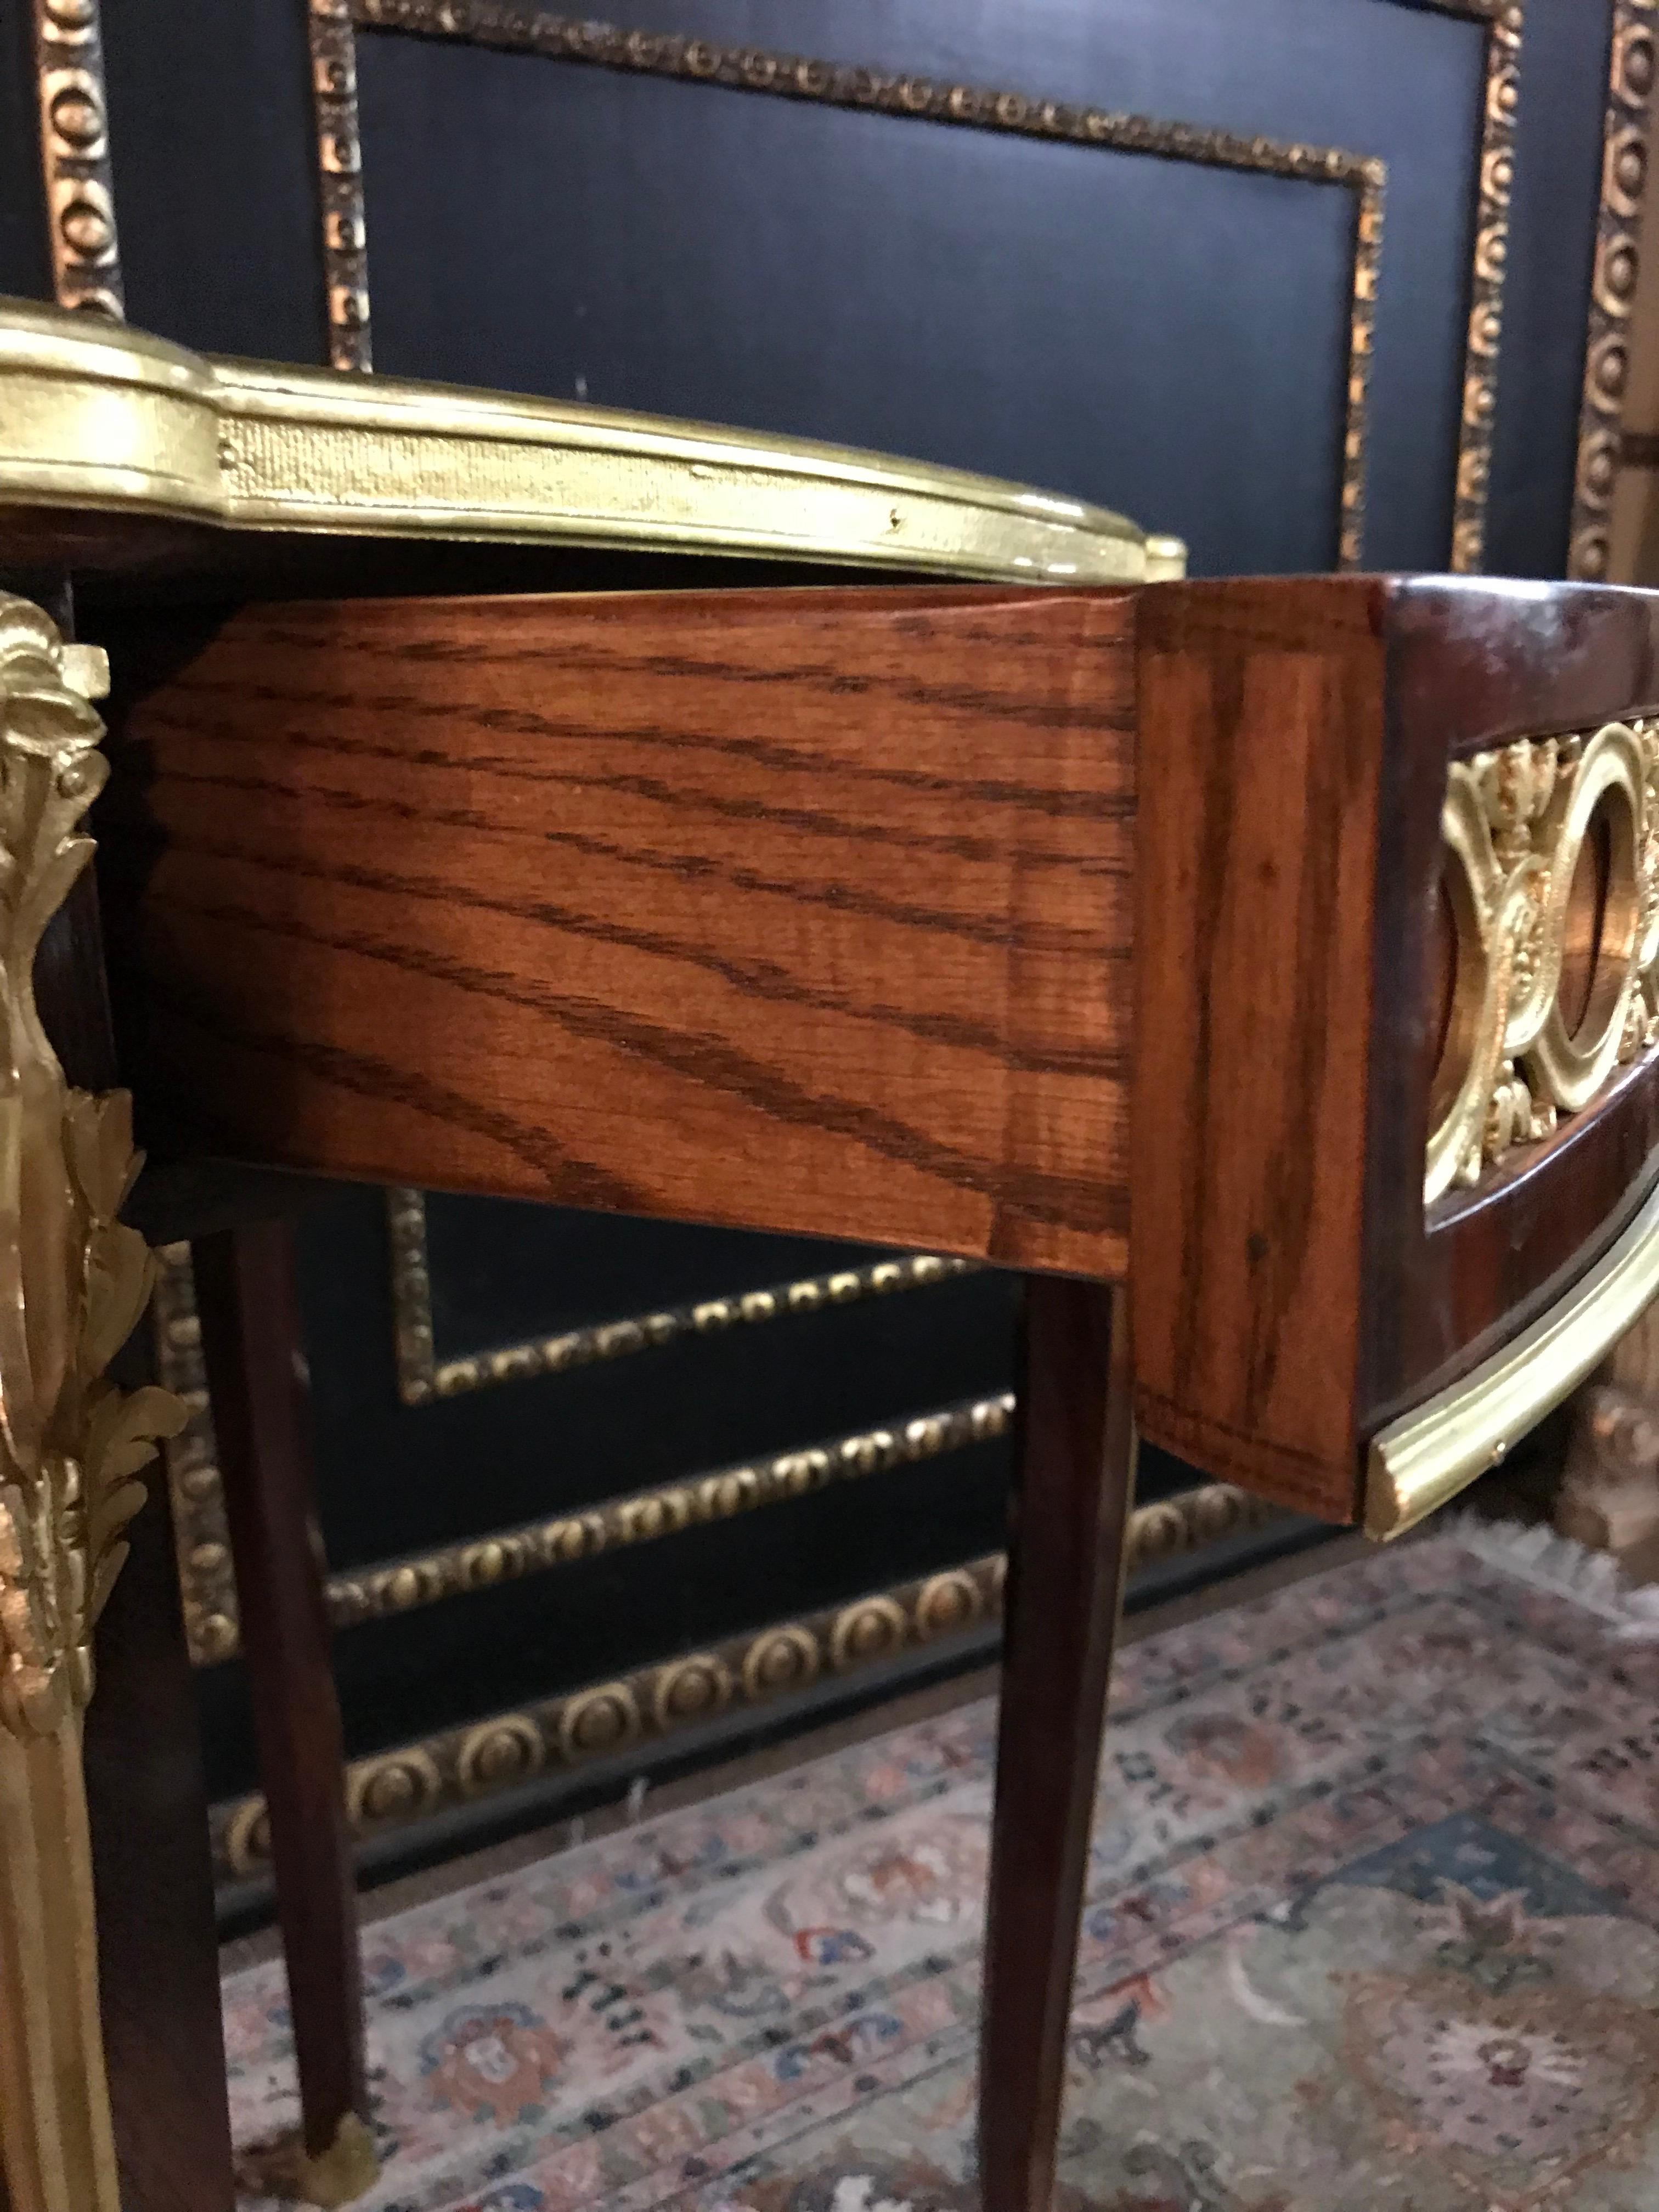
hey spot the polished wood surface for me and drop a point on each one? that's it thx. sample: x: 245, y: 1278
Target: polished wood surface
x: 1290, y: 1292
x: 831, y: 911
x: 1261, y: 708
x: 942, y: 917
x: 807, y: 911
x: 1472, y: 666
x: 1489, y: 1260
x: 1074, y: 1480
x: 252, y: 1345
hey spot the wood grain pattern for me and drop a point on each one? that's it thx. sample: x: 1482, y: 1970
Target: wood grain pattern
x: 801, y: 909
x: 1261, y: 708
x: 818, y: 910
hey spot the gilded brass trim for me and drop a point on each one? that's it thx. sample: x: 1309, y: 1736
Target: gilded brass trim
x: 347, y: 2170
x: 509, y: 1554
x: 423, y: 1376
x: 1420, y: 1461
x: 1613, y: 284
x: 207, y: 1580
x: 340, y: 182
x: 395, y: 1788
x: 74, y: 1280
x: 75, y: 164
x: 99, y: 416
x: 1514, y: 829
x: 504, y: 1555
x: 518, y: 29
x: 1499, y: 103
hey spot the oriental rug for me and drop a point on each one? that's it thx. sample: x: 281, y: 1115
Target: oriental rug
x: 1373, y: 1926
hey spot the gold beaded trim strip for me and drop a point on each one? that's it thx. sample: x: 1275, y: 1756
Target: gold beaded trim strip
x: 401, y: 1585
x: 1630, y: 75
x: 201, y: 1535
x: 396, y: 1788
x: 1550, y: 897
x: 212, y: 1622
x: 74, y: 159
x: 422, y: 1376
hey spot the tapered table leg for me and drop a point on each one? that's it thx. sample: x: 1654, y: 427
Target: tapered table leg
x: 158, y: 1948
x: 251, y: 1345
x: 1074, y: 1479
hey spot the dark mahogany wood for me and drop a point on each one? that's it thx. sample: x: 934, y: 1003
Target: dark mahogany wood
x: 807, y: 909
x: 1073, y: 1482
x: 158, y: 1954
x: 1474, y: 664
x: 1290, y: 1293
x: 251, y: 1345
x: 1475, y: 660
x: 1494, y: 1258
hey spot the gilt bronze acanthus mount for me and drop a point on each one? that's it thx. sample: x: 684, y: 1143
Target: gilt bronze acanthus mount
x: 73, y: 1282
x: 1550, y: 931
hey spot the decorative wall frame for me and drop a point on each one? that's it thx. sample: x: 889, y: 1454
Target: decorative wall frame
x: 1630, y: 73
x: 639, y: 1517
x: 212, y: 1624
x: 395, y: 1788
x: 75, y: 163
x: 533, y: 31
x: 423, y: 1376
x: 527, y: 29
x: 201, y: 1535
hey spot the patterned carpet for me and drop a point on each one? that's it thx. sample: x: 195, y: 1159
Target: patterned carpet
x: 1373, y: 1922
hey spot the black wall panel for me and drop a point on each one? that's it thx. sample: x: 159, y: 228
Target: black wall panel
x: 1099, y: 322
x: 212, y: 130
x: 25, y: 269
x: 556, y: 1442
x: 216, y: 164
x: 1167, y: 339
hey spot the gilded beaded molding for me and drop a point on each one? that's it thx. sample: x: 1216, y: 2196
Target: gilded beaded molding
x: 1516, y: 823
x: 1613, y: 284
x: 212, y: 1622
x: 207, y: 1581
x: 396, y: 1788
x: 75, y: 160
x: 1499, y: 105
x: 509, y: 1554
x: 423, y: 1376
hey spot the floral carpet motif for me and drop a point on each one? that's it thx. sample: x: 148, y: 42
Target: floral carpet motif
x: 1373, y: 1926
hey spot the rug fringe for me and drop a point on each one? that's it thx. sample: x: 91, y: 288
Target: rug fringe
x: 1594, y: 1580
